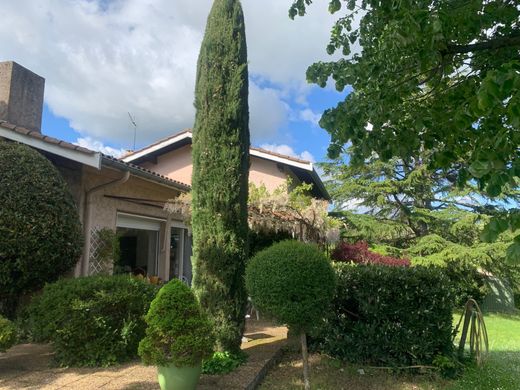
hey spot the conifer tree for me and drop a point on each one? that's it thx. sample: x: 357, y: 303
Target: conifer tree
x: 220, y: 173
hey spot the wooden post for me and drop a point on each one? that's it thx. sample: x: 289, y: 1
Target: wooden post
x: 305, y: 354
x: 467, y: 318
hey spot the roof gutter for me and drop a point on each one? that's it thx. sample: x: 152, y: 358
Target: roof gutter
x: 135, y: 171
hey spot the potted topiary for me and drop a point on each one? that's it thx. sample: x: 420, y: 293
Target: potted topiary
x: 294, y: 282
x: 178, y: 337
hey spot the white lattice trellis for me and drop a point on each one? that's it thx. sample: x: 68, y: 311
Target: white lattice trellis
x: 97, y: 265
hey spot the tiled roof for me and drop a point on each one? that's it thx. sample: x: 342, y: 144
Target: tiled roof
x: 132, y: 152
x: 137, y: 168
x: 190, y: 132
x: 45, y: 138
x: 295, y: 159
x: 67, y: 145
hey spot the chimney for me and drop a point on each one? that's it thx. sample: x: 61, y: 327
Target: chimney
x: 21, y: 96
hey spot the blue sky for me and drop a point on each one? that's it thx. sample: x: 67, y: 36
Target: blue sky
x: 102, y: 59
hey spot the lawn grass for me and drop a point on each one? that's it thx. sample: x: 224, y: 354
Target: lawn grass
x: 501, y: 370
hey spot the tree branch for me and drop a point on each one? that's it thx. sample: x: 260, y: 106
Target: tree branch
x: 497, y: 43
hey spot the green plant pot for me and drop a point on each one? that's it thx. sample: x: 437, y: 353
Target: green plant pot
x: 179, y: 378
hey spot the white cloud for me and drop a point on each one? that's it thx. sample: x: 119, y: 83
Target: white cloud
x: 269, y: 112
x: 308, y: 115
x: 98, y: 146
x: 102, y: 61
x: 288, y: 151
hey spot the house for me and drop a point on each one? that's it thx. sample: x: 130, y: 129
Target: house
x: 128, y: 195
x: 171, y: 157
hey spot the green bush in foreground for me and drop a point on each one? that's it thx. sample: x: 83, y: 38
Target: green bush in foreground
x: 91, y: 321
x: 40, y: 232
x: 178, y: 331
x: 8, y: 334
x: 294, y: 282
x: 390, y: 316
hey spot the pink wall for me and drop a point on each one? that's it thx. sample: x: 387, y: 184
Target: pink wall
x: 177, y: 165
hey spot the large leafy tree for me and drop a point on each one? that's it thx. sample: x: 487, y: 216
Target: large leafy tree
x: 220, y: 172
x: 441, y: 75
x: 405, y: 210
x: 408, y: 194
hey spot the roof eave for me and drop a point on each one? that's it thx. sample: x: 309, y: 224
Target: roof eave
x: 146, y: 175
x: 92, y: 159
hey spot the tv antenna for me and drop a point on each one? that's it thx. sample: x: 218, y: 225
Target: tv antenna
x: 132, y: 120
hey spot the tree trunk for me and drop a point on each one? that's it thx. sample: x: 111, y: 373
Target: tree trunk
x: 305, y: 354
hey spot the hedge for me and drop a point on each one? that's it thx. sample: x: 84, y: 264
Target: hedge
x: 391, y: 316
x: 91, y: 321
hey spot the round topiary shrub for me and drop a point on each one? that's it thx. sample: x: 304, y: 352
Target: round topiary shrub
x: 178, y: 332
x: 295, y: 283
x: 40, y: 232
x: 292, y: 281
x: 91, y: 321
x: 7, y: 334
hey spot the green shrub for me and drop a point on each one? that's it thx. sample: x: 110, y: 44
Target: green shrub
x: 40, y: 232
x: 223, y: 363
x: 178, y: 331
x: 7, y: 334
x: 292, y: 281
x: 462, y: 265
x: 388, y: 316
x: 91, y: 321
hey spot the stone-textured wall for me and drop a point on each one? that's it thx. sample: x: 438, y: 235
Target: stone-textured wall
x: 21, y: 96
x: 103, y: 209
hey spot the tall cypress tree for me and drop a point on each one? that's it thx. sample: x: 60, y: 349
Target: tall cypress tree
x: 220, y: 172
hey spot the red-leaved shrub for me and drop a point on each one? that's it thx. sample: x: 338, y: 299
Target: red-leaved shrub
x: 360, y: 254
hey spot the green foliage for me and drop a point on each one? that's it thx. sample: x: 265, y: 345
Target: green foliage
x: 223, y: 363
x: 442, y: 76
x: 292, y: 281
x: 8, y: 334
x: 220, y: 173
x: 262, y: 240
x: 178, y: 331
x: 91, y: 321
x: 449, y: 366
x: 392, y: 316
x: 466, y: 266
x: 40, y: 232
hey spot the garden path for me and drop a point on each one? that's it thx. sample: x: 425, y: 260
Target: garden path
x: 29, y: 366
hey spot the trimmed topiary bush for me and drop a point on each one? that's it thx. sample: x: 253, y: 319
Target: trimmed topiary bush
x: 8, y: 334
x: 178, y: 331
x: 91, y: 321
x: 294, y: 282
x: 391, y: 316
x: 40, y: 232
